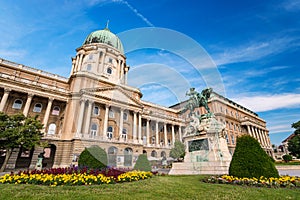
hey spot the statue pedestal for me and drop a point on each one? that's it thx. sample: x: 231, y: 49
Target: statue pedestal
x: 206, y: 150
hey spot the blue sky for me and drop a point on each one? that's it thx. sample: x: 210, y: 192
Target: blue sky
x: 254, y: 45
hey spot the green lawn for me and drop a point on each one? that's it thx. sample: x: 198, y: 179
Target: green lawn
x: 159, y: 187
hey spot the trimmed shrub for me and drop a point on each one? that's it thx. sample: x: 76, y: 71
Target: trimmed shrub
x: 93, y: 157
x: 142, y: 163
x: 178, y: 151
x: 287, y: 158
x: 250, y: 160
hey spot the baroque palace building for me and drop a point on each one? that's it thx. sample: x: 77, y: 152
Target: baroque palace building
x: 95, y: 106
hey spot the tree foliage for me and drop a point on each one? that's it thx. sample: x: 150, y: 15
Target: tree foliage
x: 178, y: 151
x: 296, y: 126
x: 294, y: 146
x: 250, y: 160
x: 18, y: 131
x: 287, y: 158
x: 294, y: 143
x: 142, y: 163
x: 93, y: 157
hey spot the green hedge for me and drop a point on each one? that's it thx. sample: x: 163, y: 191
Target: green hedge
x: 93, y: 157
x: 250, y: 160
x: 142, y: 163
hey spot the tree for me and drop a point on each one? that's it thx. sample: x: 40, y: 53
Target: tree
x: 93, y: 157
x: 18, y: 131
x: 294, y: 143
x: 178, y: 151
x: 142, y: 163
x: 287, y: 158
x: 250, y: 160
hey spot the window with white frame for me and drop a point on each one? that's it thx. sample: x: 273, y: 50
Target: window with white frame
x: 124, y: 133
x: 110, y: 131
x: 17, y: 104
x: 51, y: 129
x: 227, y: 139
x: 94, y: 129
x: 89, y: 67
x: 55, y: 110
x: 37, y: 107
x: 96, y: 110
x: 111, y: 114
x: 232, y: 139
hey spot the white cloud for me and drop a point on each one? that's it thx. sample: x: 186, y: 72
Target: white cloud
x: 254, y: 50
x: 291, y: 5
x: 269, y: 102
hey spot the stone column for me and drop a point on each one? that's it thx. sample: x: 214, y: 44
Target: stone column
x: 105, y: 123
x: 156, y: 134
x: 165, y: 134
x: 27, y: 105
x: 173, y: 135
x: 4, y: 99
x: 140, y: 129
x: 148, y: 132
x: 134, y: 127
x: 254, y: 135
x: 88, y: 117
x: 80, y: 61
x: 76, y: 63
x: 11, y: 163
x: 80, y: 117
x: 180, y: 133
x: 249, y: 130
x: 258, y: 136
x: 121, y: 123
x: 47, y: 114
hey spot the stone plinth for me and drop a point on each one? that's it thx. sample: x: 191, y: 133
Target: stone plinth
x: 206, y: 151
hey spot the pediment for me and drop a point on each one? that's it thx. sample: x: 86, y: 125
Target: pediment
x: 114, y: 94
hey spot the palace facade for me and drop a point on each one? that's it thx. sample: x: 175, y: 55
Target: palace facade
x: 95, y: 106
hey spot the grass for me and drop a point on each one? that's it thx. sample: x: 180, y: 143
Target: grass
x: 289, y: 163
x: 159, y: 187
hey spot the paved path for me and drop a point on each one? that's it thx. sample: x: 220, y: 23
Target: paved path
x: 291, y: 170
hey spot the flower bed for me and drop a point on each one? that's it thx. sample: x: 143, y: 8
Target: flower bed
x: 73, y: 176
x: 283, y: 181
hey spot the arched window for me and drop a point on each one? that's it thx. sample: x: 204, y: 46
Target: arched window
x: 110, y: 131
x: 112, y: 156
x: 94, y: 128
x: 125, y: 116
x: 96, y: 110
x: 17, y: 104
x: 154, y: 154
x: 163, y: 154
x: 111, y: 114
x: 127, y: 156
x: 109, y: 70
x: 51, y: 129
x: 124, y: 133
x: 55, y: 110
x: 37, y: 107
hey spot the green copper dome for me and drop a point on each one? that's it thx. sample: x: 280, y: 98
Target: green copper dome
x: 106, y: 37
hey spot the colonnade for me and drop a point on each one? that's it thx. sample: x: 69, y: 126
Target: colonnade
x: 27, y: 105
x: 259, y: 134
x: 84, y: 124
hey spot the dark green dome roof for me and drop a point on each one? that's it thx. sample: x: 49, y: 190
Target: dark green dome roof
x: 106, y: 37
